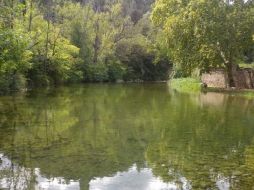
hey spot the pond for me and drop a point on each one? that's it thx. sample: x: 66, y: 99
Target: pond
x: 126, y: 137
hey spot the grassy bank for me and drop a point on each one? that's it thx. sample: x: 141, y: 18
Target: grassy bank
x: 246, y: 66
x: 186, y: 85
x: 190, y: 85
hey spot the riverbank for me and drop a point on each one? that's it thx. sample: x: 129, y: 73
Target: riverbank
x: 190, y: 85
x: 51, y: 87
x: 239, y: 92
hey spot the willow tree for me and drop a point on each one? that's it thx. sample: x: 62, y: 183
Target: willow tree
x: 206, y: 34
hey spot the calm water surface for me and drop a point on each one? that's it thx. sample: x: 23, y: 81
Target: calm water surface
x: 126, y: 137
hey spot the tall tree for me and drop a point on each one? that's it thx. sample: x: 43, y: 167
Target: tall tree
x: 205, y: 34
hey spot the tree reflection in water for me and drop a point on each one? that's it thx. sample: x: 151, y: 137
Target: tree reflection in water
x: 20, y: 178
x: 103, y: 136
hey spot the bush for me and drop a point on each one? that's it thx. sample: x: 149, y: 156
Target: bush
x: 4, y: 84
x: 14, y: 60
x: 75, y: 73
x: 75, y: 76
x: 19, y: 82
x: 41, y: 80
x: 37, y: 77
x: 12, y: 82
x: 116, y: 71
x: 137, y: 56
x: 131, y: 74
x: 186, y: 85
x: 96, y: 73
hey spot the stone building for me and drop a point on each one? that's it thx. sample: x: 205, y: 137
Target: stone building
x: 217, y: 78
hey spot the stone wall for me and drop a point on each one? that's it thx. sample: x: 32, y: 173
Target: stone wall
x: 215, y: 79
x: 243, y: 78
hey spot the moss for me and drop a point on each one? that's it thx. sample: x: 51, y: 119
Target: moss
x: 189, y: 85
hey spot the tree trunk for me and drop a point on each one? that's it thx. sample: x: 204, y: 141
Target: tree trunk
x: 96, y: 43
x: 46, y: 48
x: 11, y: 23
x: 229, y: 65
x: 30, y: 16
x: 230, y: 73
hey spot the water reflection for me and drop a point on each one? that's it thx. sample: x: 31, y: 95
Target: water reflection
x: 126, y: 136
x: 17, y: 177
x: 135, y: 179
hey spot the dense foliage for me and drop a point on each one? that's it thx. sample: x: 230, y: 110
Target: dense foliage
x: 56, y: 41
x: 205, y: 34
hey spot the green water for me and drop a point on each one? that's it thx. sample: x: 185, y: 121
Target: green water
x: 126, y: 137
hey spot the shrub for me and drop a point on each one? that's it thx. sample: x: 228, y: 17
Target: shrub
x: 131, y: 74
x: 116, y: 71
x: 12, y: 82
x: 186, y: 85
x: 96, y: 73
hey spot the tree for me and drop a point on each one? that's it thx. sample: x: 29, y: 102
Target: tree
x: 14, y: 54
x: 56, y: 41
x: 54, y: 56
x: 205, y: 34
